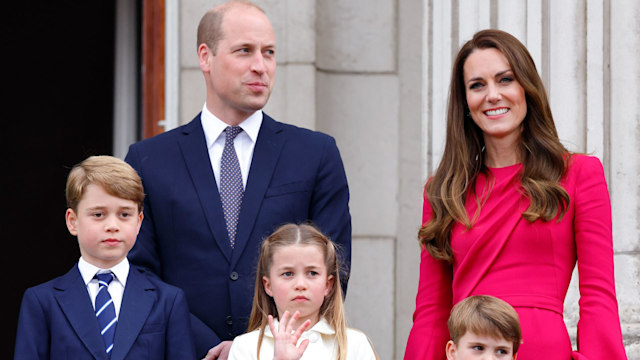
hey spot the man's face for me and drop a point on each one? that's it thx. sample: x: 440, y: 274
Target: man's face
x: 240, y: 74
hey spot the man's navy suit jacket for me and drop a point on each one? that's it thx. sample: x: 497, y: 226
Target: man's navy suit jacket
x: 57, y: 321
x: 296, y: 175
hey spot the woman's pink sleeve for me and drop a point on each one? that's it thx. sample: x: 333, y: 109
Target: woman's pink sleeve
x: 429, y: 333
x: 599, y: 334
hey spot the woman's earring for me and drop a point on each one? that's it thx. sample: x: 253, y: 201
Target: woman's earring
x: 481, y: 151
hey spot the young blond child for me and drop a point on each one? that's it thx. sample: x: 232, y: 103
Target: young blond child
x: 103, y: 307
x: 298, y: 288
x: 483, y: 327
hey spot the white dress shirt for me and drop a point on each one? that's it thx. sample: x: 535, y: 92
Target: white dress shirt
x: 116, y: 287
x: 244, y: 142
x: 322, y: 344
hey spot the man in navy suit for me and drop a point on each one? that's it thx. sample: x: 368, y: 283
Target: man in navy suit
x: 289, y: 174
x: 132, y: 315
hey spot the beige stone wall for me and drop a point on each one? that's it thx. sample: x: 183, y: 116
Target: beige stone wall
x: 374, y: 74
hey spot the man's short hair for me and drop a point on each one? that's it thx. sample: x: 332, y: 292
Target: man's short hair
x: 210, y: 27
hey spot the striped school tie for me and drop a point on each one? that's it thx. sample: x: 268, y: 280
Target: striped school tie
x: 106, y: 311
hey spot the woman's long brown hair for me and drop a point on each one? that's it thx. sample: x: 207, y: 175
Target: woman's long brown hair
x: 543, y: 157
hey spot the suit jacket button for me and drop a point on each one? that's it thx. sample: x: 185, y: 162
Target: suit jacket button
x: 234, y: 276
x: 229, y: 320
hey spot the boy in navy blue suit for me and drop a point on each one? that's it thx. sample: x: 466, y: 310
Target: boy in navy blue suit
x: 126, y: 314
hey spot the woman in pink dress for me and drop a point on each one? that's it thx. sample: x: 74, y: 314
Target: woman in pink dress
x: 510, y: 211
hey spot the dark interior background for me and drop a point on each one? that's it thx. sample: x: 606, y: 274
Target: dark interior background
x: 57, y: 110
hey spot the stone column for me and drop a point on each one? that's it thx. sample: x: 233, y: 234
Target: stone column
x: 357, y: 102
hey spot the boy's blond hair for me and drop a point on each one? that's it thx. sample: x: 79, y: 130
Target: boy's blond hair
x: 485, y: 315
x: 115, y: 176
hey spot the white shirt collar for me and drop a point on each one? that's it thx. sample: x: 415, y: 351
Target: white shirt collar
x: 322, y: 326
x: 213, y: 126
x: 88, y: 271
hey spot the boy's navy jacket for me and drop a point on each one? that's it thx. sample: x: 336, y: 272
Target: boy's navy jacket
x: 57, y: 321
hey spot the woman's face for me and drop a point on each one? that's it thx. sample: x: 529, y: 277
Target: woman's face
x: 495, y: 98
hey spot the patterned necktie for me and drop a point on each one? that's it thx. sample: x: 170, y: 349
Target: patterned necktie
x: 231, y: 189
x: 105, y: 310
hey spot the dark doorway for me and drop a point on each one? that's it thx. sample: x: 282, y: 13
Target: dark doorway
x: 58, y: 109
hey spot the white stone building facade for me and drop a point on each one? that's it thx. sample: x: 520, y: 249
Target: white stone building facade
x: 374, y: 74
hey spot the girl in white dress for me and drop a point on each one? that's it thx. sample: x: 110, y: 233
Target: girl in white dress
x: 298, y: 273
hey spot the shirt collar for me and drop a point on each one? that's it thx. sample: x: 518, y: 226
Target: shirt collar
x: 88, y: 271
x: 322, y: 327
x: 213, y: 126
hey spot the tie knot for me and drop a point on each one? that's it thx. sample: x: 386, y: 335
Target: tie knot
x: 104, y: 279
x: 232, y: 132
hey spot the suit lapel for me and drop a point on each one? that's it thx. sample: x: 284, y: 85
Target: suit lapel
x: 137, y: 301
x: 265, y: 156
x: 74, y: 300
x: 196, y: 156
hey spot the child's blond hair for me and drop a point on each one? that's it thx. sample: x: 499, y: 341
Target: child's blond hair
x: 115, y: 176
x: 485, y: 315
x: 332, y: 308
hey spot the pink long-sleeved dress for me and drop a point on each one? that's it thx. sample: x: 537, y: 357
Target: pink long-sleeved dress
x: 529, y: 265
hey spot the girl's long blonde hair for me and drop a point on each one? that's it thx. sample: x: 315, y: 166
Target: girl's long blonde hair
x: 332, y: 308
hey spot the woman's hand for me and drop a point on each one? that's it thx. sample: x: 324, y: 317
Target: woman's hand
x: 285, y: 339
